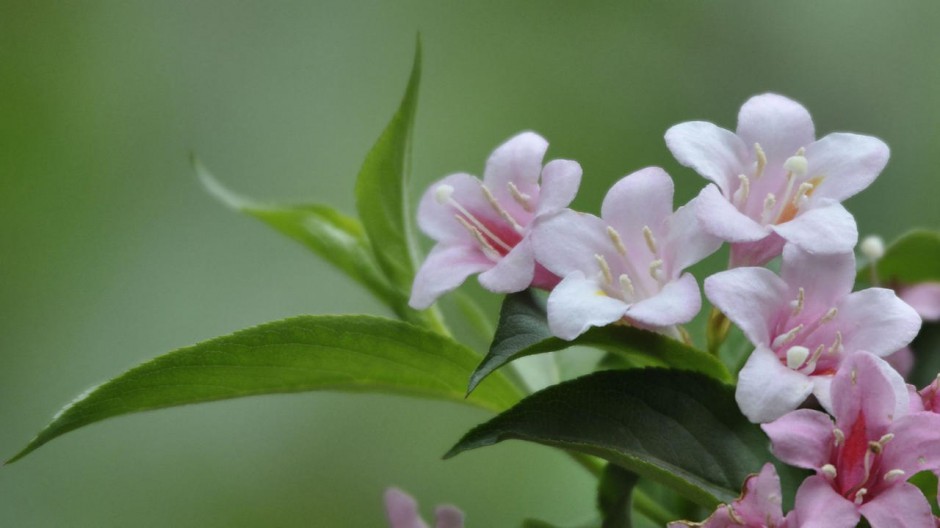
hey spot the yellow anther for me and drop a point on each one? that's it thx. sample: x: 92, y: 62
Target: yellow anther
x: 650, y: 239
x: 618, y: 242
x: 605, y: 269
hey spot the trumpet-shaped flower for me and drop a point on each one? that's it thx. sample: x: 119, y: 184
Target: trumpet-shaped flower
x: 626, y: 265
x: 402, y: 512
x: 863, y: 460
x: 759, y: 506
x: 924, y: 297
x: 483, y: 227
x: 774, y: 182
x: 804, y: 323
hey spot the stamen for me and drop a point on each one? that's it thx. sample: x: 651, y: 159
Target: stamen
x: 783, y: 339
x: 605, y: 269
x: 813, y: 358
x: 744, y: 190
x: 859, y: 496
x: 830, y: 315
x: 627, y: 285
x: 839, y: 436
x: 796, y: 355
x: 656, y: 269
x: 488, y: 250
x: 894, y: 474
x: 443, y: 193
x: 885, y: 439
x: 798, y: 304
x: 769, y: 202
x: 829, y: 470
x: 500, y: 210
x: 650, y: 239
x: 520, y: 197
x: 802, y: 192
x: 761, y: 160
x: 875, y: 447
x: 837, y: 344
x: 854, y: 377
x: 618, y: 242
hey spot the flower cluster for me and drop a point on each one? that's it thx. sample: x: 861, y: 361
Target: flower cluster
x: 774, y: 191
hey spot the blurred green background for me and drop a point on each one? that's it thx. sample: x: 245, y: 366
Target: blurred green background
x: 112, y: 253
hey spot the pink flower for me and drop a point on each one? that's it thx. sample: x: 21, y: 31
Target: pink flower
x: 483, y: 227
x: 774, y: 182
x: 626, y: 265
x: 758, y: 507
x: 402, y: 512
x: 863, y: 461
x: 924, y: 297
x: 803, y: 324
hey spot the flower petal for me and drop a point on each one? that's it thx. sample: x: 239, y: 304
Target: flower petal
x: 924, y: 298
x: 761, y: 501
x: 767, y: 389
x: 916, y: 444
x: 868, y: 385
x: 827, y: 229
x: 402, y: 510
x: 560, y: 181
x: 643, y: 198
x: 444, y: 270
x: 566, y: 241
x: 902, y: 361
x: 517, y: 161
x: 825, y: 278
x: 678, y: 302
x: 577, y: 304
x: 779, y: 124
x: 750, y: 297
x: 848, y: 163
x: 822, y: 390
x: 717, y: 154
x: 877, y: 321
x: 513, y: 272
x: 802, y: 438
x: 438, y: 220
x: 687, y: 242
x: 819, y: 506
x: 448, y: 517
x: 899, y: 506
x: 723, y: 220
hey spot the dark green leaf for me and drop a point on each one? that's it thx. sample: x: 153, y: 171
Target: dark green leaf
x: 912, y: 258
x: 613, y: 496
x: 381, y: 197
x: 680, y: 428
x: 308, y: 353
x: 522, y: 331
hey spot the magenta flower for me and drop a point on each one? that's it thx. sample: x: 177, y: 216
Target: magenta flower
x: 402, y: 512
x: 774, y: 182
x: 864, y: 459
x: 483, y: 227
x: 758, y: 507
x: 924, y: 298
x: 803, y: 324
x: 627, y: 265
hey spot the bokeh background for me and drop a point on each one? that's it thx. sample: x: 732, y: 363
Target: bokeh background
x: 111, y: 253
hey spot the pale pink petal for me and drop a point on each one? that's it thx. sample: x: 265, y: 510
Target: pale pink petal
x: 902, y: 361
x: 444, y: 270
x: 750, y: 297
x: 643, y: 198
x: 868, y: 385
x: 767, y: 389
x: 827, y: 229
x: 677, y: 303
x: 819, y: 506
x: 517, y: 161
x: 402, y: 510
x: 448, y: 517
x: 822, y: 390
x: 560, y: 181
x: 899, y: 506
x: 779, y: 124
x: 916, y: 444
x: 566, y: 241
x: 687, y: 242
x: 847, y: 162
x: 438, y: 220
x: 877, y: 321
x: 802, y: 438
x: 717, y: 154
x: 513, y: 272
x: 723, y: 220
x: 825, y: 278
x: 924, y: 298
x: 756, y: 253
x: 761, y: 501
x: 577, y: 304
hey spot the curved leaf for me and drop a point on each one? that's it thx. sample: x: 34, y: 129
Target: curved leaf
x: 307, y: 353
x: 523, y: 330
x: 680, y: 428
x: 912, y: 258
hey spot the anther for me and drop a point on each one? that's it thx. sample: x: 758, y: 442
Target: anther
x: 839, y: 436
x: 656, y: 269
x: 605, y: 269
x: 485, y: 246
x: 627, y: 285
x: 830, y: 315
x: 885, y: 439
x: 783, y: 339
x: 798, y: 304
x: 443, y: 193
x: 802, y: 192
x: 860, y: 495
x: 761, y: 160
x: 796, y: 356
x: 744, y: 190
x: 894, y: 474
x: 500, y: 210
x: 769, y: 202
x: 618, y: 242
x: 829, y: 470
x: 875, y: 447
x: 836, y: 344
x: 650, y: 239
x: 520, y: 197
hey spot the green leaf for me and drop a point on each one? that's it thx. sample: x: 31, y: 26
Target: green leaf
x: 912, y: 258
x: 308, y: 353
x: 680, y: 428
x: 614, y: 492
x: 381, y: 197
x: 523, y: 330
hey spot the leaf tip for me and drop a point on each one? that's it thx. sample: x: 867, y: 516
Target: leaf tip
x: 215, y: 187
